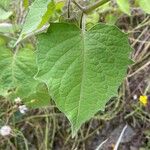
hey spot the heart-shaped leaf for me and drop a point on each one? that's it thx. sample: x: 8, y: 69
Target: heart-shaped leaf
x: 82, y: 69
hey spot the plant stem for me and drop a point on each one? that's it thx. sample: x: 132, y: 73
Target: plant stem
x: 92, y: 7
x: 95, y: 5
x: 120, y: 137
x: 68, y: 8
x: 83, y: 22
x: 78, y: 5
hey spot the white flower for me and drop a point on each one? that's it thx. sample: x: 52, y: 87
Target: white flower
x: 18, y: 100
x: 135, y: 97
x: 23, y: 109
x: 5, y: 130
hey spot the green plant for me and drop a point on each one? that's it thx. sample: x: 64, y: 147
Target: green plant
x: 125, y: 7
x: 79, y: 69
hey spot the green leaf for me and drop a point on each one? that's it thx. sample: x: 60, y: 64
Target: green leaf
x: 145, y: 5
x: 40, y: 98
x: 7, y: 28
x: 4, y: 14
x: 92, y: 19
x: 5, y: 3
x: 17, y: 78
x: 124, y: 5
x: 2, y: 40
x: 26, y: 3
x: 59, y: 5
x: 39, y: 13
x: 82, y: 70
x: 111, y: 18
x: 17, y: 72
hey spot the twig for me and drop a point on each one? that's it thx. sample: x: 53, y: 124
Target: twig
x: 138, y: 70
x: 120, y: 137
x: 41, y: 30
x: 88, y: 9
x: 68, y: 8
x: 78, y: 5
x: 98, y: 148
x: 95, y: 5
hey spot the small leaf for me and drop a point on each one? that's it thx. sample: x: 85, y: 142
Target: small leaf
x: 4, y: 14
x: 124, y: 5
x: 39, y: 13
x: 145, y: 5
x: 48, y: 14
x: 82, y: 70
x: 5, y: 3
x: 7, y: 28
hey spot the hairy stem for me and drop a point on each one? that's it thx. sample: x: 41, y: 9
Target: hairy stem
x: 68, y: 8
x: 83, y: 22
x: 92, y: 7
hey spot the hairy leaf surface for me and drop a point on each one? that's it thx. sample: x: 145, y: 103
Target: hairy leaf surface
x: 40, y: 98
x: 17, y: 72
x: 82, y: 70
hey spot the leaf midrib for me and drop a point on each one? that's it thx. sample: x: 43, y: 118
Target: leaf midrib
x: 13, y: 67
x: 82, y: 74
